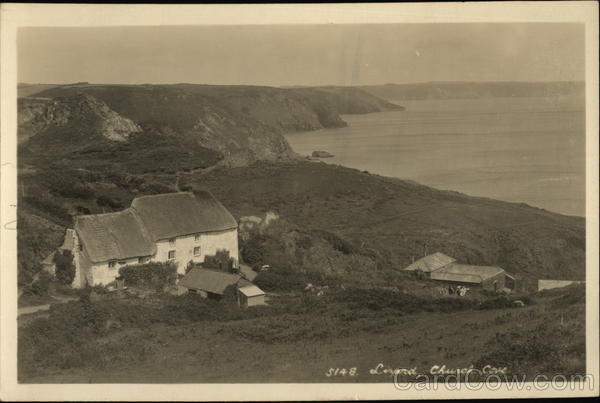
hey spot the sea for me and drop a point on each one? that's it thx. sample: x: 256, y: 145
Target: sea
x: 528, y: 150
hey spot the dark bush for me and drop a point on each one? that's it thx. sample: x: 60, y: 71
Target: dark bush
x: 105, y: 201
x: 65, y: 268
x: 252, y: 249
x: 280, y: 280
x: 154, y: 275
x: 338, y: 243
x: 220, y: 261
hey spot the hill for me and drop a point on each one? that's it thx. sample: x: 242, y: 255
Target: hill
x: 239, y: 123
x: 474, y: 90
x: 403, y: 220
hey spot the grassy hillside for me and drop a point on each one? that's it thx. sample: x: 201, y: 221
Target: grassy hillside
x: 298, y: 338
x: 405, y: 219
x: 458, y: 90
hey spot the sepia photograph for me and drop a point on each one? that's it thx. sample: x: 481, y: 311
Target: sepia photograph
x: 383, y: 203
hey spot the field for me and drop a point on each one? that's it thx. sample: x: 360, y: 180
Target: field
x: 298, y: 338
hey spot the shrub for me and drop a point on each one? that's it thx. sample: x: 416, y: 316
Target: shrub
x: 338, y: 243
x: 105, y: 201
x: 220, y: 260
x: 155, y: 275
x: 65, y: 269
x: 280, y: 280
x: 252, y: 249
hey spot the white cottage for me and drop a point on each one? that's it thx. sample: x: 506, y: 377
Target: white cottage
x: 178, y: 227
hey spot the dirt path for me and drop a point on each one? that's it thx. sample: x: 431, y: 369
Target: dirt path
x: 60, y: 299
x: 32, y: 309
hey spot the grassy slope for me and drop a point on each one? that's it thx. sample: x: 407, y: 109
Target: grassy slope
x: 295, y: 341
x: 405, y: 218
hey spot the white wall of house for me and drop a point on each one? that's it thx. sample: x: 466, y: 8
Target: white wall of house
x: 103, y: 274
x: 184, y: 247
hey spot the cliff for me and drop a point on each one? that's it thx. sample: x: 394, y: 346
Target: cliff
x: 240, y: 123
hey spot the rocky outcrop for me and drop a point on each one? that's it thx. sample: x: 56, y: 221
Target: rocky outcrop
x: 37, y: 115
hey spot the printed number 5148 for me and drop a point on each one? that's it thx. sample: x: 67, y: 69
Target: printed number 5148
x: 341, y: 372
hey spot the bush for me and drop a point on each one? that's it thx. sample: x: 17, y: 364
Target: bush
x: 338, y: 243
x: 105, y: 201
x: 65, y: 269
x: 220, y: 261
x: 280, y: 280
x: 253, y: 249
x: 155, y: 275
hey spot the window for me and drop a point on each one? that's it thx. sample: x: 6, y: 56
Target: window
x: 143, y: 259
x: 122, y: 262
x: 172, y: 241
x: 197, y: 251
x: 197, y: 237
x: 112, y: 264
x: 171, y: 254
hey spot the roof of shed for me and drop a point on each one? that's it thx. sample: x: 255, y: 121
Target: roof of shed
x: 174, y: 214
x: 117, y: 235
x: 431, y: 262
x: 251, y: 291
x: 247, y: 272
x: 464, y: 278
x: 484, y: 272
x: 209, y: 280
x: 465, y: 273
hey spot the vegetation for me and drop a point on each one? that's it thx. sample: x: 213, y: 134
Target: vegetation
x: 346, y: 232
x: 220, y: 260
x: 65, y: 268
x: 98, y: 337
x: 154, y: 275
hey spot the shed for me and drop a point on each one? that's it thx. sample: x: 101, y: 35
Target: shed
x: 251, y: 295
x: 208, y: 283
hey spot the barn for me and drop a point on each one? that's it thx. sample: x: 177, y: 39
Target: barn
x: 487, y: 277
x: 443, y: 268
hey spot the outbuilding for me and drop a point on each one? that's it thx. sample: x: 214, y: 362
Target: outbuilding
x: 487, y: 277
x: 250, y: 295
x: 208, y: 283
x: 428, y: 264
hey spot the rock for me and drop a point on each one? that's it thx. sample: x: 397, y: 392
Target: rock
x: 321, y: 154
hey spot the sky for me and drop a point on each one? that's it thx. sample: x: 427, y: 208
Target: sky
x: 286, y: 55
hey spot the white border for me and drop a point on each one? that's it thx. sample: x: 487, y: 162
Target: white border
x: 16, y: 15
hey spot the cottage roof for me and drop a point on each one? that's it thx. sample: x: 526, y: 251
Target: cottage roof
x: 251, y: 291
x: 209, y: 280
x: 466, y: 273
x: 176, y: 214
x: 431, y: 262
x: 117, y: 235
x: 247, y: 272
